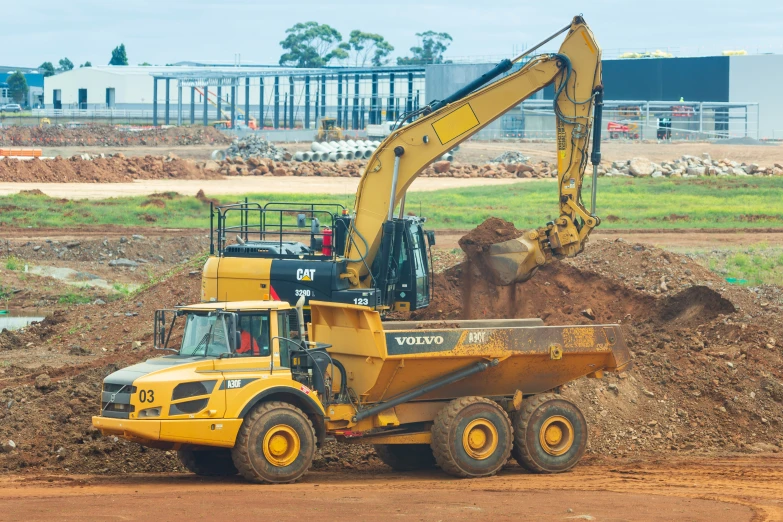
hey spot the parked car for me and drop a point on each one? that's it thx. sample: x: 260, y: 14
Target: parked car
x: 11, y: 107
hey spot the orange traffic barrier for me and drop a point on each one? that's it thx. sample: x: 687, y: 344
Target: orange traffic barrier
x: 26, y: 153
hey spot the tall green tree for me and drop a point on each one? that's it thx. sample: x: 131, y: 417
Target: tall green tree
x: 431, y: 47
x: 66, y: 64
x: 363, y: 47
x: 118, y: 56
x: 47, y: 69
x: 311, y: 44
x: 17, y: 87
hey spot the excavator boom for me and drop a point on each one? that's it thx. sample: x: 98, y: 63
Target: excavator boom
x: 575, y: 71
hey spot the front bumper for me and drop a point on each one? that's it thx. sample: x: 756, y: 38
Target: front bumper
x: 160, y: 433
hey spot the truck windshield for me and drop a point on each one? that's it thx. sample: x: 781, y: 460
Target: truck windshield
x: 205, y: 335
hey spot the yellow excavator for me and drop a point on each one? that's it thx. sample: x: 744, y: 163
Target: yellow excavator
x: 377, y: 257
x: 249, y: 393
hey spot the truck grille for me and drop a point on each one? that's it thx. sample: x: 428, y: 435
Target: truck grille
x: 115, y: 400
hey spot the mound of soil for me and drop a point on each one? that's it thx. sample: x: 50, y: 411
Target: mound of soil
x: 108, y: 135
x: 708, y: 370
x: 707, y: 375
x: 116, y: 169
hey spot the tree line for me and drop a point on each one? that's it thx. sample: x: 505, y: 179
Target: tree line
x: 310, y: 44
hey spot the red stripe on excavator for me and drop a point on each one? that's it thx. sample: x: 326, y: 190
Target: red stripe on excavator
x: 273, y: 294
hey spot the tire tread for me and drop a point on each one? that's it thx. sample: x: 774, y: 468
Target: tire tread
x: 239, y: 454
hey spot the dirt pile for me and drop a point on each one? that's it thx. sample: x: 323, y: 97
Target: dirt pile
x: 708, y: 372
x: 115, y: 169
x: 707, y: 376
x: 109, y: 136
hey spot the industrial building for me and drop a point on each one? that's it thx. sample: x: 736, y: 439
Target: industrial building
x: 35, y: 85
x: 703, y: 97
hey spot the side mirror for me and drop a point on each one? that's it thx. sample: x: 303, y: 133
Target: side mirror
x: 301, y: 220
x: 430, y: 236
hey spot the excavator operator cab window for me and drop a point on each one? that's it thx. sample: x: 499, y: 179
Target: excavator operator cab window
x: 254, y: 332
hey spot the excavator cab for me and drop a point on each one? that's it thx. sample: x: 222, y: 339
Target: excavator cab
x: 285, y: 251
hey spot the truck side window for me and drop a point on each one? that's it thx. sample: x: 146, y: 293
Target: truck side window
x: 284, y: 330
x: 254, y: 333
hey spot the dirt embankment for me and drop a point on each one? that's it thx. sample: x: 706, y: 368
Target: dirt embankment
x: 708, y: 365
x: 115, y: 169
x: 109, y: 136
x: 707, y: 376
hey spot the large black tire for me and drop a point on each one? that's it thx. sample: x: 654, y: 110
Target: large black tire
x: 465, y: 422
x: 208, y: 463
x: 537, y: 452
x: 275, y: 444
x: 406, y: 457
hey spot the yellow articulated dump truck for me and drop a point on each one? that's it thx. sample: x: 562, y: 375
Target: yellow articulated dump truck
x: 242, y: 393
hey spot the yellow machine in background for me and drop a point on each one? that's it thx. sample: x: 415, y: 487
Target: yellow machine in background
x: 243, y: 394
x: 328, y: 130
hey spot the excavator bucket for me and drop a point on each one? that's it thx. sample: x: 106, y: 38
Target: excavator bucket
x: 513, y: 261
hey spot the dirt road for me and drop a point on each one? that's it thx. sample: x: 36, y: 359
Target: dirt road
x: 736, y: 489
x: 234, y: 185
x: 669, y: 239
x: 479, y: 152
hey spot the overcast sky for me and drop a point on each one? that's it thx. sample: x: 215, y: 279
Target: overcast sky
x: 164, y: 31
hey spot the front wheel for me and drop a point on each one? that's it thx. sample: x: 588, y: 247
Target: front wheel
x: 550, y: 434
x: 276, y: 444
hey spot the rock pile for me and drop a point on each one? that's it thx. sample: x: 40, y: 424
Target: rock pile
x: 687, y: 166
x: 252, y: 146
x: 109, y: 136
x: 258, y: 166
x: 97, y: 169
x: 511, y: 156
x: 454, y: 169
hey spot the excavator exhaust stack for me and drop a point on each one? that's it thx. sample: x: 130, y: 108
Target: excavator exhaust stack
x: 515, y: 260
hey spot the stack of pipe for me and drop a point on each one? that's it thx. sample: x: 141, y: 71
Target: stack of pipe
x: 343, y: 149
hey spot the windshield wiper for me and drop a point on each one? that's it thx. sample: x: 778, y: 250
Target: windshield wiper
x: 206, y: 338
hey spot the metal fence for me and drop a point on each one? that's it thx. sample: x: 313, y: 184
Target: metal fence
x: 637, y: 120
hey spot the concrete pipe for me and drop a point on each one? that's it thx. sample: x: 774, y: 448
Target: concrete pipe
x: 299, y: 156
x: 318, y: 147
x: 376, y: 143
x: 351, y: 144
x: 349, y: 155
x: 447, y: 157
x: 315, y: 156
x: 368, y: 144
x: 328, y: 146
x: 342, y: 143
x: 218, y: 155
x: 368, y: 153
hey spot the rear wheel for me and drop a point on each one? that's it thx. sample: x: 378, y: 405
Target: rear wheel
x: 275, y: 444
x: 208, y: 463
x: 471, y: 437
x: 550, y: 434
x: 406, y: 457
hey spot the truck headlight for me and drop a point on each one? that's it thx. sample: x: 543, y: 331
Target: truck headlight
x: 150, y: 412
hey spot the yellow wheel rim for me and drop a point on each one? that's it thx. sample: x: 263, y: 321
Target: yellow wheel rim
x: 281, y: 445
x: 480, y: 439
x: 556, y: 435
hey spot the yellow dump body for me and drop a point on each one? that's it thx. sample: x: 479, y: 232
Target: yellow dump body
x: 384, y: 359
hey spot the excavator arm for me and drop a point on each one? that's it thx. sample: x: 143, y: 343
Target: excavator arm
x: 575, y: 71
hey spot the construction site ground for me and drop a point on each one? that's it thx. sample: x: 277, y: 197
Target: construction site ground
x: 692, y: 432
x: 733, y: 489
